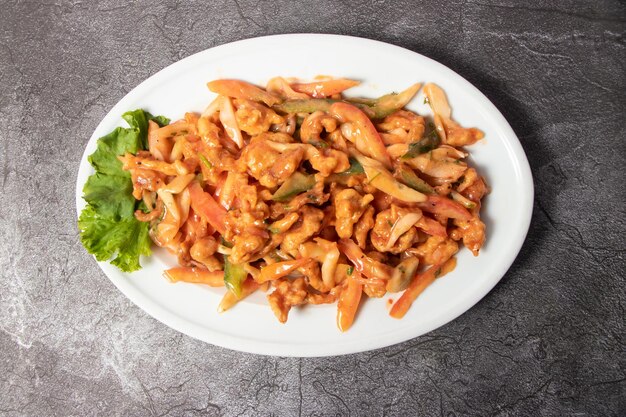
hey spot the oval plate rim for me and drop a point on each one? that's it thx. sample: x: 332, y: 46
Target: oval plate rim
x: 244, y: 344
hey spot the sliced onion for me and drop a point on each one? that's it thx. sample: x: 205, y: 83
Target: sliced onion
x: 440, y: 127
x: 401, y: 226
x: 282, y: 255
x: 170, y: 203
x: 228, y: 192
x: 324, y: 252
x: 229, y: 121
x: 381, y: 179
x: 459, y: 198
x: 364, y: 160
x: 179, y: 183
x: 181, y: 169
x: 453, y: 152
x: 254, y: 272
x: 367, y: 266
x: 348, y: 131
x: 402, y: 274
x: 224, y: 250
x: 212, y: 108
x: 148, y: 199
x: 184, y: 203
x: 437, y: 100
x: 439, y: 169
x: 154, y: 141
x: 177, y: 150
x: 329, y: 265
x: 397, y: 150
x: 280, y: 87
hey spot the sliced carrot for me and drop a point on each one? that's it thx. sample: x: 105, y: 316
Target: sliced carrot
x: 229, y: 300
x: 445, y: 206
x: 242, y: 89
x: 196, y: 276
x: 323, y: 89
x: 280, y: 269
x: 348, y: 303
x: 418, y: 285
x: 206, y: 206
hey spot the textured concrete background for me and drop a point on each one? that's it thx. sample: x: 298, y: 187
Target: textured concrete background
x: 548, y: 340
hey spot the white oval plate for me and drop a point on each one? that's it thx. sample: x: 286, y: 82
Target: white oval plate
x: 311, y: 330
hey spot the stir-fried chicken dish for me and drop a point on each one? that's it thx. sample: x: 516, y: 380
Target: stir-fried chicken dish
x: 311, y: 196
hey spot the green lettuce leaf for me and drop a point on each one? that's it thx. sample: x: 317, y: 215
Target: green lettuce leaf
x: 139, y: 119
x: 118, y: 142
x: 108, y: 227
x: 160, y: 120
x: 110, y: 195
x: 105, y: 236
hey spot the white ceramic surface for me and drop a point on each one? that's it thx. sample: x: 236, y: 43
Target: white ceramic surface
x: 311, y: 331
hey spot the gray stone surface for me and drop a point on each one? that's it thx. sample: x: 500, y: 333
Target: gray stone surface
x: 548, y: 340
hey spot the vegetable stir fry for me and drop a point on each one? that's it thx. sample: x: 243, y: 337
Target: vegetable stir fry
x: 308, y: 195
